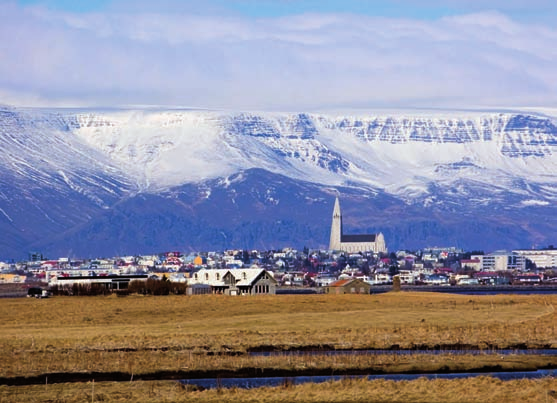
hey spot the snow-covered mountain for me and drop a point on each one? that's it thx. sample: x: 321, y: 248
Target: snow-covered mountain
x: 89, y: 182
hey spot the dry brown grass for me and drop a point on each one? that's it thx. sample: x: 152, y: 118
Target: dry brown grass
x: 481, y: 389
x: 72, y: 334
x: 141, y: 363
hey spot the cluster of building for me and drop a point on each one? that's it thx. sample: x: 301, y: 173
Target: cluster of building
x: 237, y: 272
x: 353, y: 263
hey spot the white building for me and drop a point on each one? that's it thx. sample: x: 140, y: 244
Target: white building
x: 408, y: 276
x: 542, y: 258
x: 474, y: 264
x: 501, y: 260
x: 380, y: 278
x: 250, y: 281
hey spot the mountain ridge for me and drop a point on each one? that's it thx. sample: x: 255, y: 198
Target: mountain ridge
x: 64, y: 169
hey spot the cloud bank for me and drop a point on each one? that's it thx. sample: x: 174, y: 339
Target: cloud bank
x: 307, y: 61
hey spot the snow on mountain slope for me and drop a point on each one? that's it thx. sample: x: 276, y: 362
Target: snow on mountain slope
x: 93, y: 177
x: 40, y: 150
x: 157, y: 149
x: 492, y: 149
x: 169, y: 148
x: 400, y: 154
x: 49, y: 179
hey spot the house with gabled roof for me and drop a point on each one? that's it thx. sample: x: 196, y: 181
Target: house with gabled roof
x: 348, y: 286
x: 252, y: 281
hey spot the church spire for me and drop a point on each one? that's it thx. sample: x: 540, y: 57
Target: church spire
x: 336, y: 228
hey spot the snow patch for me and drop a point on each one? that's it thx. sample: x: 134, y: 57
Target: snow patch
x: 533, y: 202
x: 6, y: 215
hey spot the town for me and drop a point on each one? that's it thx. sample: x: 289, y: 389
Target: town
x: 266, y: 272
x: 351, y: 264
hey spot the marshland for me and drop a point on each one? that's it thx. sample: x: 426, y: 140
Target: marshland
x: 64, y: 347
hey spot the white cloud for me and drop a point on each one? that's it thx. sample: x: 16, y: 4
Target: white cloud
x: 299, y: 62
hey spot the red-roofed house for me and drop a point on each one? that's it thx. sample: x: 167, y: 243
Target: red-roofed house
x: 348, y: 286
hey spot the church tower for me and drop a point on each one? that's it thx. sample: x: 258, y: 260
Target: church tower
x: 336, y: 228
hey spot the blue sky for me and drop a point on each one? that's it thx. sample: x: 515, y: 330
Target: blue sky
x: 425, y: 9
x: 279, y: 54
x: 269, y: 8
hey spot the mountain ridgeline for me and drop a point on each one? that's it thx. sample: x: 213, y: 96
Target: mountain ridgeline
x: 90, y: 183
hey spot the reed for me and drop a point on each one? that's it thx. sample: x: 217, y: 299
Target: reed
x: 481, y: 389
x: 142, y: 363
x: 154, y: 333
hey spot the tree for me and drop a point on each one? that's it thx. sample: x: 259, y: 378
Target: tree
x: 245, y: 257
x: 365, y: 268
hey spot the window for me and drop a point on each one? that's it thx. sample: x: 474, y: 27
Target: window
x: 206, y: 276
x: 244, y: 276
x: 218, y: 276
x: 196, y: 276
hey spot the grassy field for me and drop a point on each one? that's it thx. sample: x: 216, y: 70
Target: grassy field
x: 219, y: 323
x: 482, y: 389
x: 138, y: 335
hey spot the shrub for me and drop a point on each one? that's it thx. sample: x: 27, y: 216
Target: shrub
x: 157, y: 287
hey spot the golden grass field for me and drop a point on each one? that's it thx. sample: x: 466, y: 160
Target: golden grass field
x: 479, y: 390
x: 138, y: 335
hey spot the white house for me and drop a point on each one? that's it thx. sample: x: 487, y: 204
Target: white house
x: 242, y: 281
x: 473, y: 264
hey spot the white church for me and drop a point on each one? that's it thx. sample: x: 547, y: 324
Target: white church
x: 353, y: 243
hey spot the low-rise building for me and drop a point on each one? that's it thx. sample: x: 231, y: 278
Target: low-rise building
x: 111, y: 282
x: 379, y: 278
x: 436, y: 279
x: 472, y: 264
x: 501, y: 260
x: 12, y: 278
x: 408, y: 276
x: 250, y: 281
x: 465, y: 280
x: 324, y: 280
x: 542, y: 258
x: 492, y: 278
x: 527, y: 279
x: 348, y: 286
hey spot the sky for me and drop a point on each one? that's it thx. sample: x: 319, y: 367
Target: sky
x: 288, y: 55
